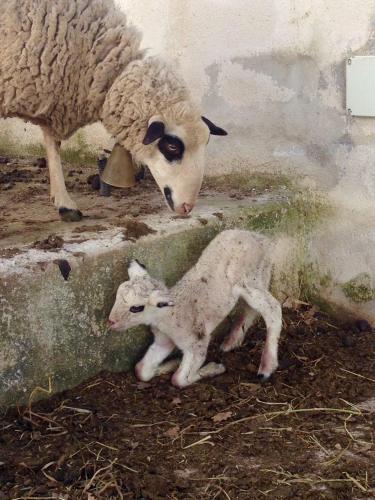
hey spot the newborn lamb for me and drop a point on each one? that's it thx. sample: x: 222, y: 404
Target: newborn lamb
x: 236, y: 264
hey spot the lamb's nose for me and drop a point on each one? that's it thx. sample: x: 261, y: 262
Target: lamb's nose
x: 111, y: 322
x: 187, y: 208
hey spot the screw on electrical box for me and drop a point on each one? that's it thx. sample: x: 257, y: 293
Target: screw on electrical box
x: 105, y: 189
x: 349, y: 62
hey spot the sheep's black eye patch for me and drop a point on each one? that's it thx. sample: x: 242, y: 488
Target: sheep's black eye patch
x: 171, y: 147
x: 137, y: 309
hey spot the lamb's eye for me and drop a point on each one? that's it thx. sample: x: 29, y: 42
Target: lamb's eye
x: 172, y: 147
x: 137, y: 309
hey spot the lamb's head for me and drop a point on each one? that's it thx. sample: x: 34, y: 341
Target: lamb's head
x: 175, y: 155
x: 141, y: 300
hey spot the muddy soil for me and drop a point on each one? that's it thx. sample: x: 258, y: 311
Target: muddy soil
x: 28, y: 216
x: 309, y: 433
x: 25, y: 207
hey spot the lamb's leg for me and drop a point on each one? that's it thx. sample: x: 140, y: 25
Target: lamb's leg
x: 160, y: 349
x: 266, y: 305
x: 67, y: 208
x: 191, y: 370
x: 239, y: 329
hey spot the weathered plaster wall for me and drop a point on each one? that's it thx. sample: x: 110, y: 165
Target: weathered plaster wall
x: 273, y: 73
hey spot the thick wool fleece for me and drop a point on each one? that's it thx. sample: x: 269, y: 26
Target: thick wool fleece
x: 59, y: 58
x: 147, y: 88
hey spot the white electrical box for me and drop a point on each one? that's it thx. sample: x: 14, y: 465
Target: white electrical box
x: 360, y: 86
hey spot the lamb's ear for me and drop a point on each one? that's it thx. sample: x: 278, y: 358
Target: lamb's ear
x: 214, y: 130
x: 136, y: 270
x: 160, y: 299
x: 155, y: 131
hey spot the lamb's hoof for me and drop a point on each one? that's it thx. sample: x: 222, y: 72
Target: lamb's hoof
x: 263, y: 377
x: 70, y: 215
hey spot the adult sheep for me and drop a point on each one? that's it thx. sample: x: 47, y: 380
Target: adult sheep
x: 68, y: 63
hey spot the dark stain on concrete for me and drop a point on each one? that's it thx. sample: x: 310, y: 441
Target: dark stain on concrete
x: 65, y: 268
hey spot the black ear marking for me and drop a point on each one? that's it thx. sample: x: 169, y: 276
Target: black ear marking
x: 214, y: 130
x: 154, y: 132
x: 140, y: 263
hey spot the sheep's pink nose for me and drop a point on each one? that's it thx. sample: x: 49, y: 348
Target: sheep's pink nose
x: 187, y: 208
x: 111, y: 322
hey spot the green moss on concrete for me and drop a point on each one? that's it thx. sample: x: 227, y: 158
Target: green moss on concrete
x: 359, y: 289
x: 78, y: 152
x: 7, y: 146
x: 243, y: 181
x: 298, y: 213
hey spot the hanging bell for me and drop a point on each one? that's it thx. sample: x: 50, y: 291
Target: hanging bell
x: 120, y: 169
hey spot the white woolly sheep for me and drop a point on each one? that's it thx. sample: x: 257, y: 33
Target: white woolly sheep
x: 68, y: 63
x: 235, y: 265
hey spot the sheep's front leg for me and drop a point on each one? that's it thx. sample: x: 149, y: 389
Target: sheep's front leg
x: 160, y: 349
x: 191, y: 369
x: 266, y: 305
x: 67, y: 208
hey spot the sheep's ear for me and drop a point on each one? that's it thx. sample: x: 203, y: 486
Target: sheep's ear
x: 136, y: 270
x: 160, y: 299
x: 214, y: 130
x: 155, y: 131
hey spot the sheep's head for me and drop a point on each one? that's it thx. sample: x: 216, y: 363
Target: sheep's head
x: 141, y: 300
x: 176, y: 144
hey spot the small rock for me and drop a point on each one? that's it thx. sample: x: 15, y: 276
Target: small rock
x: 363, y: 325
x: 134, y: 211
x: 219, y: 215
x: 204, y: 222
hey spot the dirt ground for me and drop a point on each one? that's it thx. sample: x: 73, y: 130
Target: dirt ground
x: 26, y: 212
x: 309, y: 433
x: 25, y: 207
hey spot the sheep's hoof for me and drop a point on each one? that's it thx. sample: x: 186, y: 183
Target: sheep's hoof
x: 70, y: 215
x: 263, y: 378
